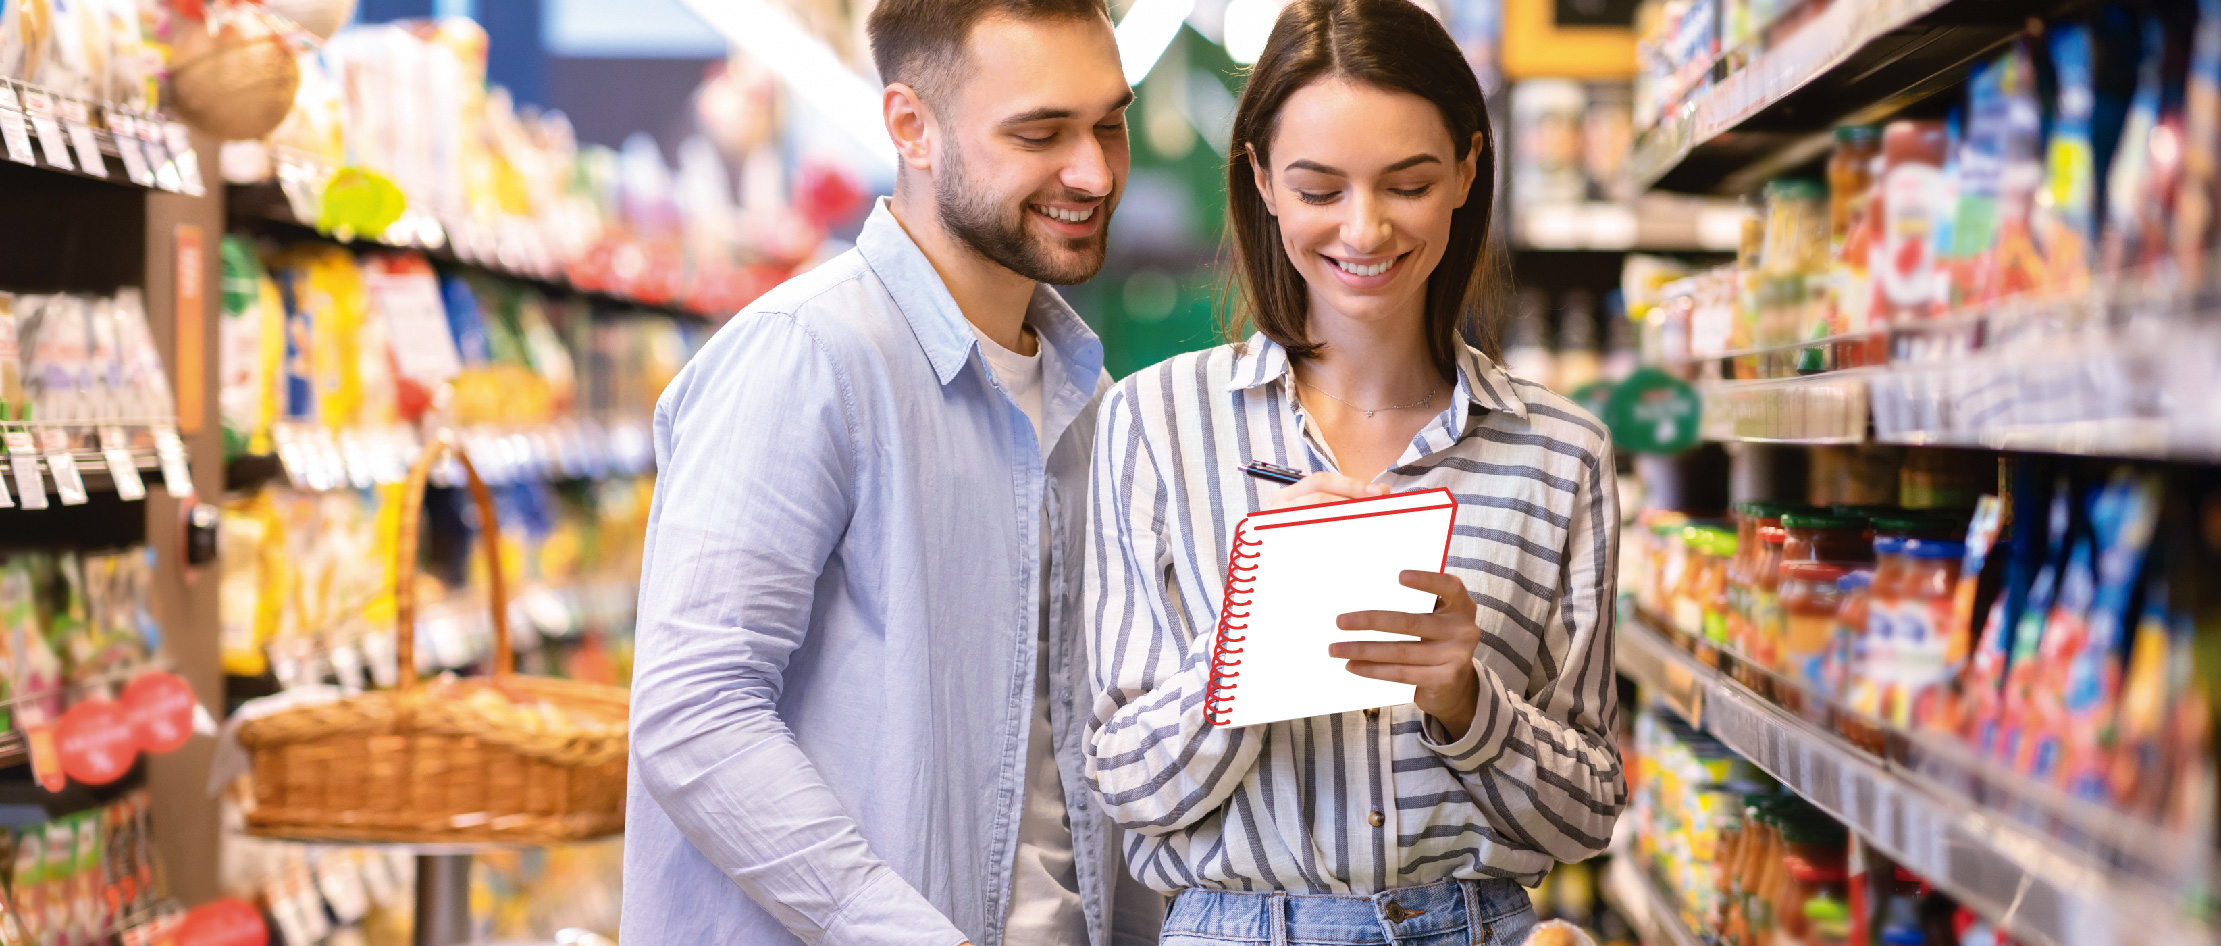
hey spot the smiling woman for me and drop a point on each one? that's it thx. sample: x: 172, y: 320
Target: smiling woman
x: 1360, y: 213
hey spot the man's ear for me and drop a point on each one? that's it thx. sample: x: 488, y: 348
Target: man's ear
x: 1263, y: 179
x: 908, y: 125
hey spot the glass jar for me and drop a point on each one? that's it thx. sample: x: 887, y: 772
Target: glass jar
x: 1765, y: 598
x: 1924, y: 627
x: 1808, y: 601
x: 1819, y: 537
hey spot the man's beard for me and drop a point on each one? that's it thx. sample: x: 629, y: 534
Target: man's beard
x: 1000, y: 235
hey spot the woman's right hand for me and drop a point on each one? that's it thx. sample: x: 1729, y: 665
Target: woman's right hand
x: 1323, y: 487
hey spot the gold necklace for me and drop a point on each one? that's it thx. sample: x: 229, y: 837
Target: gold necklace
x: 1422, y: 402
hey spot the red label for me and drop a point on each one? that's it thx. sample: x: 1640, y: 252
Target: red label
x: 226, y: 922
x: 160, y: 707
x: 95, y: 741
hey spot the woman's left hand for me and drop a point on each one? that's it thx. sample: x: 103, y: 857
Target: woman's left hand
x: 1440, y: 662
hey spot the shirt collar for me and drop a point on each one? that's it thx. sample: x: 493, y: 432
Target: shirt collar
x: 1480, y: 380
x: 1072, y: 351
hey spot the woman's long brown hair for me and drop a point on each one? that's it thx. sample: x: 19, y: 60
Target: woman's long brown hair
x: 1388, y: 44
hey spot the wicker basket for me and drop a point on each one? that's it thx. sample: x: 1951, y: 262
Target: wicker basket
x: 504, y: 758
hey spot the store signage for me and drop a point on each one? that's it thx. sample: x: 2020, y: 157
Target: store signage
x: 95, y: 742
x: 226, y: 922
x: 1653, y: 412
x: 160, y: 708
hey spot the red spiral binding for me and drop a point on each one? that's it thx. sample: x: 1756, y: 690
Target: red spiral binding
x: 1219, y: 700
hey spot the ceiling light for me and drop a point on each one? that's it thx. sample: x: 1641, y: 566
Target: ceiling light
x: 1148, y: 28
x: 1248, y: 25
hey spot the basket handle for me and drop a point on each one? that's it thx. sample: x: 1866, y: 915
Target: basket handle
x: 404, y: 574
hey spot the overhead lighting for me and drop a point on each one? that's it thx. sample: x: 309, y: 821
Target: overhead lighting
x: 811, y: 70
x: 1248, y: 24
x: 1144, y: 34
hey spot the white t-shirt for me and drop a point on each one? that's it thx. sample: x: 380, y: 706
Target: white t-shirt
x: 1044, y: 887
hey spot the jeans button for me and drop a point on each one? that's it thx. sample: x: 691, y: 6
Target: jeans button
x: 1376, y: 819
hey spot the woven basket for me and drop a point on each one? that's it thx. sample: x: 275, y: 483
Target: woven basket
x: 504, y: 758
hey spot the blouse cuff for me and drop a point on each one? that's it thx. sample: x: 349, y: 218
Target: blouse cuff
x: 1484, y: 740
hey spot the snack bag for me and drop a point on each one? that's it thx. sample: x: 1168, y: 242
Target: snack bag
x: 2063, y: 221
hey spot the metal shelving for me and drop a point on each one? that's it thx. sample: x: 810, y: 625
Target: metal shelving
x: 2038, y: 886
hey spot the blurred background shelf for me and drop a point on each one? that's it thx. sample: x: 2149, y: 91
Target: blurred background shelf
x: 2034, y: 885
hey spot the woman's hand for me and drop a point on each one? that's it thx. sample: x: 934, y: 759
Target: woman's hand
x: 1440, y: 662
x: 1322, y: 487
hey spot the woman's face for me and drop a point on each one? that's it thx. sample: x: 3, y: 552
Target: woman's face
x: 1363, y: 181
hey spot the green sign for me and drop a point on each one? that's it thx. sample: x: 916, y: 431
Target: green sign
x: 1653, y: 412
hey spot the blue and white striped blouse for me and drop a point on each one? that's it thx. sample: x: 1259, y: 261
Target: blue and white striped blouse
x: 1356, y: 802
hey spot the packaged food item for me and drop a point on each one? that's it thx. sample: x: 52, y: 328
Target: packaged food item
x: 1809, y: 600
x: 2007, y: 263
x: 2140, y: 183
x: 1920, y: 675
x: 2065, y: 214
x: 13, y: 404
x: 2198, y: 200
x: 251, y: 350
x: 1820, y: 537
x: 2014, y: 738
x: 2123, y: 518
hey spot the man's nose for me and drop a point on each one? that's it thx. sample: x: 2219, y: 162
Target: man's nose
x: 1089, y: 171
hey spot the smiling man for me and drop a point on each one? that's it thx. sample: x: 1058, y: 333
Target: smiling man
x: 854, y: 718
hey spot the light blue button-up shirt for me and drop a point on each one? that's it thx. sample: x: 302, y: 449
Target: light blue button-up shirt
x: 836, y: 641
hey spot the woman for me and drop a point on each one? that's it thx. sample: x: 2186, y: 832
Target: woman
x: 1359, y: 205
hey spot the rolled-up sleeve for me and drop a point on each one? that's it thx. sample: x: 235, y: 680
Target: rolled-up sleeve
x: 1154, y: 761
x: 1548, y: 766
x: 756, y: 484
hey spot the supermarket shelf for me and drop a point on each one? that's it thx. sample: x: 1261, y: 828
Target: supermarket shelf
x: 1654, y: 224
x: 314, y: 457
x: 265, y: 207
x: 92, y: 464
x: 109, y: 128
x: 2036, y: 886
x: 1653, y: 913
x: 1856, y: 61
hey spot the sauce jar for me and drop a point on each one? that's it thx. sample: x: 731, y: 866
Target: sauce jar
x: 1825, y: 537
x: 1924, y: 628
x: 1808, y: 602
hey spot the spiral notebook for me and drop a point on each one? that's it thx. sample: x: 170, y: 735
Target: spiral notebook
x: 1291, y: 572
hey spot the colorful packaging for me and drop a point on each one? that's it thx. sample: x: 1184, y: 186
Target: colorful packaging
x: 2123, y: 519
x: 12, y: 402
x: 2065, y: 215
x: 1910, y: 194
x: 2131, y: 184
x: 2197, y: 220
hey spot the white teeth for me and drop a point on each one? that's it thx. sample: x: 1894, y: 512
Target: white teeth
x: 1067, y: 216
x: 1356, y: 270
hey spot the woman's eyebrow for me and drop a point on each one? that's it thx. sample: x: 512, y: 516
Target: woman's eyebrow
x: 1405, y: 164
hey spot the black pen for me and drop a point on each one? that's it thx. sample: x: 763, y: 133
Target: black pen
x: 1270, y: 471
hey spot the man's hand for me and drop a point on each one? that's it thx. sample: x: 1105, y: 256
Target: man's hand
x: 1323, y: 487
x: 1440, y: 662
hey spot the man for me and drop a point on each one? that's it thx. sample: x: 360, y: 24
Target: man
x: 855, y: 716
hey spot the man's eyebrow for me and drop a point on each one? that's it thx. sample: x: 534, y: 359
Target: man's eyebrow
x: 1050, y: 113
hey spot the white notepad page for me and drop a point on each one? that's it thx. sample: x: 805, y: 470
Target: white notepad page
x: 1302, y: 568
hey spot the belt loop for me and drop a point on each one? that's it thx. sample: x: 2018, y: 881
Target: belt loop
x: 1279, y: 918
x: 1475, y: 924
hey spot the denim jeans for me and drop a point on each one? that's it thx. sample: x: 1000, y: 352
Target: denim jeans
x: 1446, y: 913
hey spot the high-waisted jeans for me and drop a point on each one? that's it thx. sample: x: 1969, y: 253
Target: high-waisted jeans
x: 1447, y: 913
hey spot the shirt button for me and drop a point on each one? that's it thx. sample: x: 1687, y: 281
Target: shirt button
x: 1372, y: 714
x: 1375, y: 819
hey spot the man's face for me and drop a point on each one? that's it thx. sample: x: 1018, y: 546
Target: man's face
x: 1034, y: 156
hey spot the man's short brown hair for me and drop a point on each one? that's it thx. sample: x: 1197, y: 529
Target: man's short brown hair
x: 920, y: 43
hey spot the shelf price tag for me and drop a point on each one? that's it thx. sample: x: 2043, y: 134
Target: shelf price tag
x: 77, y: 120
x: 188, y: 161
x: 158, y: 157
x: 23, y: 459
x: 13, y: 130
x: 69, y: 484
x: 295, y: 181
x: 41, y: 110
x: 125, y: 130
x: 177, y: 477
x: 122, y: 467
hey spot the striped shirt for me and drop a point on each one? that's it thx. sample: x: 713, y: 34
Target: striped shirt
x: 1352, y: 803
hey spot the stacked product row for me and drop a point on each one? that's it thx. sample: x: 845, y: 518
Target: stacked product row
x: 1757, y: 866
x: 2056, y: 632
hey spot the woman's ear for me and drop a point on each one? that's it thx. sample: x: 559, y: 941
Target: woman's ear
x: 1263, y: 179
x: 1469, y: 169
